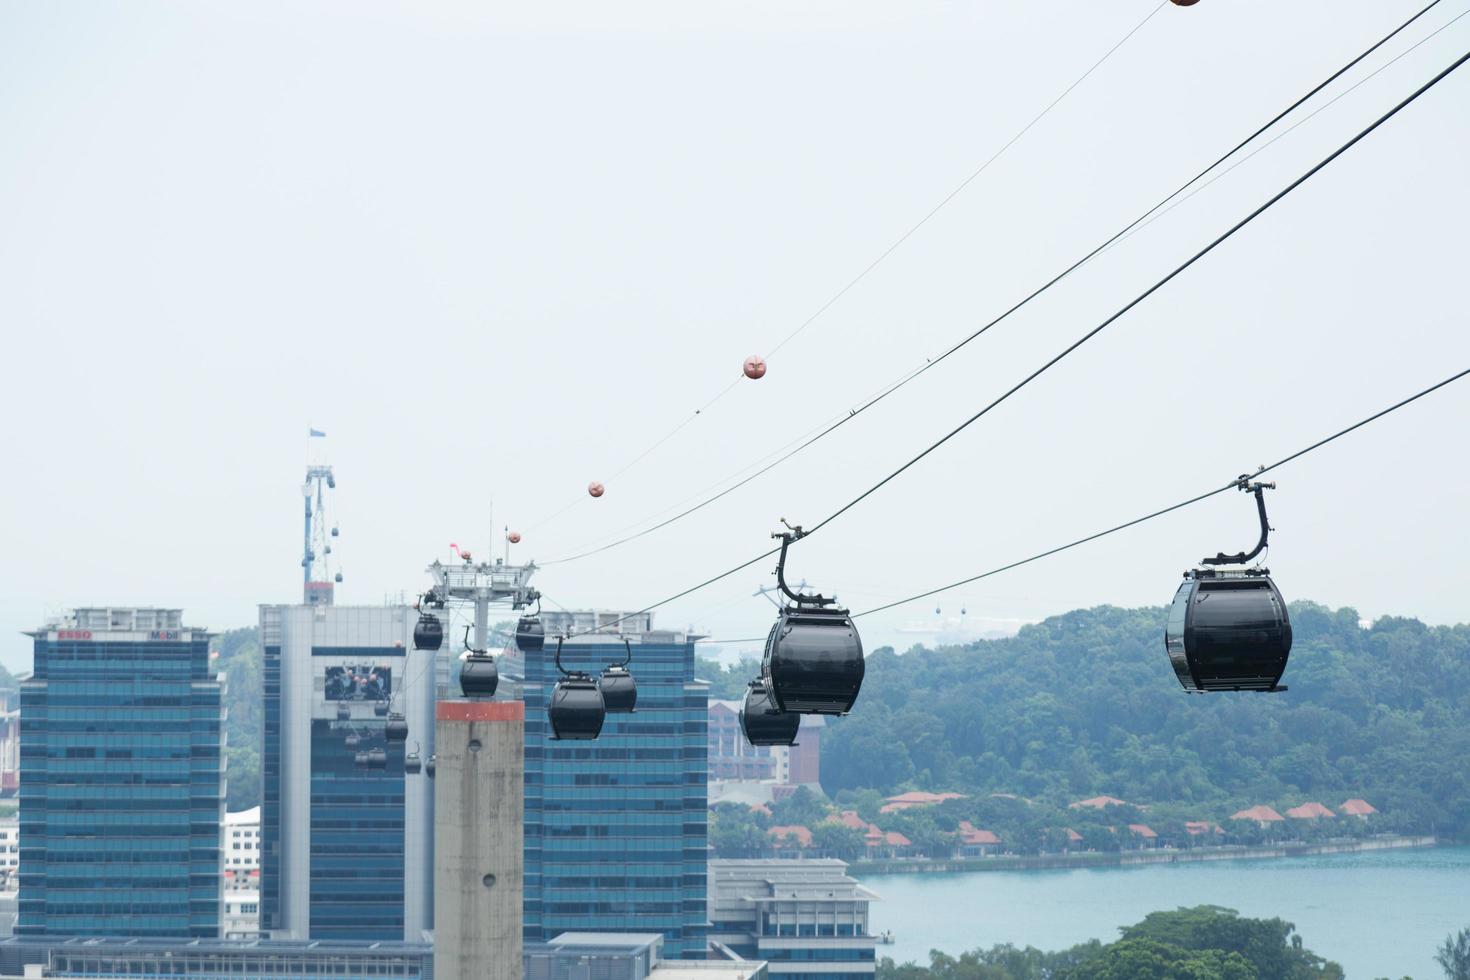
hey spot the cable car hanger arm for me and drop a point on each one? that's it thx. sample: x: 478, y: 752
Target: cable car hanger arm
x: 564, y: 671
x: 1243, y: 482
x: 788, y: 536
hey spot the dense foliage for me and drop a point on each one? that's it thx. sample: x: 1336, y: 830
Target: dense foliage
x: 240, y: 661
x: 1203, y: 943
x: 726, y: 683
x: 1454, y: 955
x: 1085, y: 704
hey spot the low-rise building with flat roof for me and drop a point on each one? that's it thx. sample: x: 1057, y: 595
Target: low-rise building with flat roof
x: 806, y: 918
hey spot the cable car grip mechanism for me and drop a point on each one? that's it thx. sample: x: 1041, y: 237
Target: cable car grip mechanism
x: 1258, y: 488
x: 788, y: 536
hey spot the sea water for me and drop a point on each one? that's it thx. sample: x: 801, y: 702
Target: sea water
x: 1378, y: 914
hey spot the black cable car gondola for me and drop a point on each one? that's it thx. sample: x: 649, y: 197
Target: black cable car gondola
x: 1228, y: 629
x: 431, y: 765
x: 530, y: 634
x: 762, y: 722
x: 397, y: 728
x: 619, y: 690
x: 344, y: 713
x: 353, y: 740
x: 813, y: 663
x: 361, y: 758
x: 575, y: 710
x: 381, y: 709
x: 377, y: 758
x: 478, y: 675
x: 412, y: 764
x: 428, y: 632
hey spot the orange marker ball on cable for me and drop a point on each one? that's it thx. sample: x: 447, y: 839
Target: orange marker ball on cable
x: 514, y: 537
x: 595, y: 489
x: 755, y: 367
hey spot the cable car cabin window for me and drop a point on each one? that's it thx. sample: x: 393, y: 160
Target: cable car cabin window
x: 1178, y: 611
x: 1174, y: 634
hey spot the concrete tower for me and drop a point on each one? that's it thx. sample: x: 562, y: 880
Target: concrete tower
x: 479, y: 804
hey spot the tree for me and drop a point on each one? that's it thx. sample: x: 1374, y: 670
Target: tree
x: 734, y: 832
x: 834, y: 839
x: 726, y: 683
x: 1145, y: 959
x: 240, y: 660
x: 1454, y: 956
x: 802, y: 807
x: 1269, y: 945
x: 1165, y: 946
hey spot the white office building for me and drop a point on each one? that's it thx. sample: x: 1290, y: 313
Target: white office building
x: 806, y: 918
x: 9, y: 854
x: 346, y: 833
x: 240, y: 852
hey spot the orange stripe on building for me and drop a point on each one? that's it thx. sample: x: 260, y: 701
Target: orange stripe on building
x: 480, y: 711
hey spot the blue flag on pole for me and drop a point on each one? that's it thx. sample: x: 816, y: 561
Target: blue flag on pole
x: 316, y: 434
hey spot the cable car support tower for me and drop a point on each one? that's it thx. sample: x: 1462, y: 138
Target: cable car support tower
x: 318, y: 581
x: 481, y: 583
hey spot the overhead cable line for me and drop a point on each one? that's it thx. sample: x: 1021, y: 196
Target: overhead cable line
x: 1233, y: 484
x: 935, y: 361
x: 1309, y: 116
x: 1276, y: 198
x: 1070, y: 348
x: 963, y: 184
x: 882, y: 256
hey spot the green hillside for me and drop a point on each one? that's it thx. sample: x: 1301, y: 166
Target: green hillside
x: 1085, y: 704
x: 240, y: 660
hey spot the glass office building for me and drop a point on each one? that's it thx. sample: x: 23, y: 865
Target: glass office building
x: 345, y: 847
x: 616, y: 829
x: 122, y: 784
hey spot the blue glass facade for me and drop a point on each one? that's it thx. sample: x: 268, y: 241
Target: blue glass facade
x: 356, y: 836
x: 270, y: 791
x: 122, y: 786
x: 333, y: 856
x: 616, y: 829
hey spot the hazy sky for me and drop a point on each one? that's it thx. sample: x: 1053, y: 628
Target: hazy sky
x: 495, y: 251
